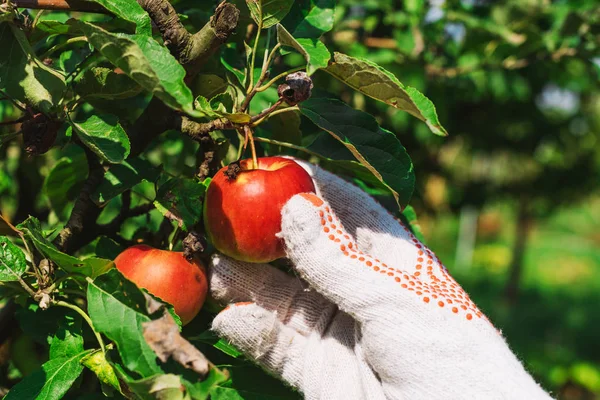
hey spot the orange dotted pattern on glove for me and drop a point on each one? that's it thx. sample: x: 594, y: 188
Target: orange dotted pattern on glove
x: 430, y: 281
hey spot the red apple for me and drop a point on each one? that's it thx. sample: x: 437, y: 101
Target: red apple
x: 242, y: 215
x: 167, y: 275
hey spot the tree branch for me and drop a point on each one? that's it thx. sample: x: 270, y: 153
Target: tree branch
x: 61, y: 5
x: 84, y: 211
x: 192, y: 50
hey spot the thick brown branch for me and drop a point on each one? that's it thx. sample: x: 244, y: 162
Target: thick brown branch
x: 165, y: 17
x: 216, y: 32
x: 192, y: 50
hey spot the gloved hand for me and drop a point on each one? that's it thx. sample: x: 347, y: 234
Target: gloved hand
x: 375, y: 316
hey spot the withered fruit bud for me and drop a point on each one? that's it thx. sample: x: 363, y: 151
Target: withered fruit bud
x: 296, y: 89
x: 232, y: 170
x: 193, y: 244
x: 39, y: 134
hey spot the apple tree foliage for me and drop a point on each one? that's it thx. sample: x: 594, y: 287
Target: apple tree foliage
x: 116, y: 113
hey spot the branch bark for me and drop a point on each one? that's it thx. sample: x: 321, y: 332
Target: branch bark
x: 85, y: 211
x: 61, y: 5
x: 192, y: 50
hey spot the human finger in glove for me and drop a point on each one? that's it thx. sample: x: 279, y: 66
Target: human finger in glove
x: 375, y: 316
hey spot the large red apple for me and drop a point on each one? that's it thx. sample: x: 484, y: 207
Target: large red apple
x: 167, y: 275
x: 243, y: 214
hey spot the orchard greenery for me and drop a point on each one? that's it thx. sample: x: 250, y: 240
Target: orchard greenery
x: 116, y: 114
x: 105, y: 100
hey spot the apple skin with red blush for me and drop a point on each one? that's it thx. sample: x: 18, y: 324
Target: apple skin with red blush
x: 242, y: 215
x: 168, y: 276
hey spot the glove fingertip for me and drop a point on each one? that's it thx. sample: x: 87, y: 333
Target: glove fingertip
x: 247, y: 326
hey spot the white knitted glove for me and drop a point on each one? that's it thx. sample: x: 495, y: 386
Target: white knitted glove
x: 376, y: 316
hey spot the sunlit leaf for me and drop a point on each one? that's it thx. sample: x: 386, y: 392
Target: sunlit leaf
x: 103, y: 134
x: 376, y: 148
x: 314, y: 51
x: 12, y: 261
x: 374, y: 81
x: 270, y: 11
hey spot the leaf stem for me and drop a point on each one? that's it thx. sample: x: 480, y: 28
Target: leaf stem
x: 271, y: 56
x: 37, y: 18
x: 257, y: 121
x: 87, y: 319
x: 64, y: 44
x: 253, y: 57
x: 281, y: 75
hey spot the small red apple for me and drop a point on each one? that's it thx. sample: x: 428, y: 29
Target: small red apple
x: 167, y: 275
x: 242, y: 215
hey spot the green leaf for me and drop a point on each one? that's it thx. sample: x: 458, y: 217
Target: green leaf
x: 355, y: 170
x: 204, y: 390
x: 310, y: 19
x: 203, y: 105
x: 232, y: 63
x: 376, y: 148
x: 314, y: 51
x: 116, y: 307
x: 182, y: 198
x: 122, y: 177
x: 211, y: 338
x: 52, y: 27
x: 108, y: 248
x: 286, y: 128
x: 160, y: 386
x: 89, y: 267
x: 374, y: 81
x: 98, y: 364
x: 209, y: 85
x: 51, y: 381
x: 131, y: 11
x: 145, y: 61
x: 41, y: 325
x: 270, y: 11
x: 104, y: 83
x: 25, y: 78
x: 103, y: 134
x: 67, y: 341
x: 64, y: 181
x: 12, y: 261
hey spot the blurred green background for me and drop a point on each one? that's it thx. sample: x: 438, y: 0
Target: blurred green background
x: 510, y: 201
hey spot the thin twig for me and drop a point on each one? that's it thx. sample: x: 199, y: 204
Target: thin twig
x: 266, y: 111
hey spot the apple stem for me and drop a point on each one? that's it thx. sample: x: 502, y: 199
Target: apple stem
x: 250, y: 138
